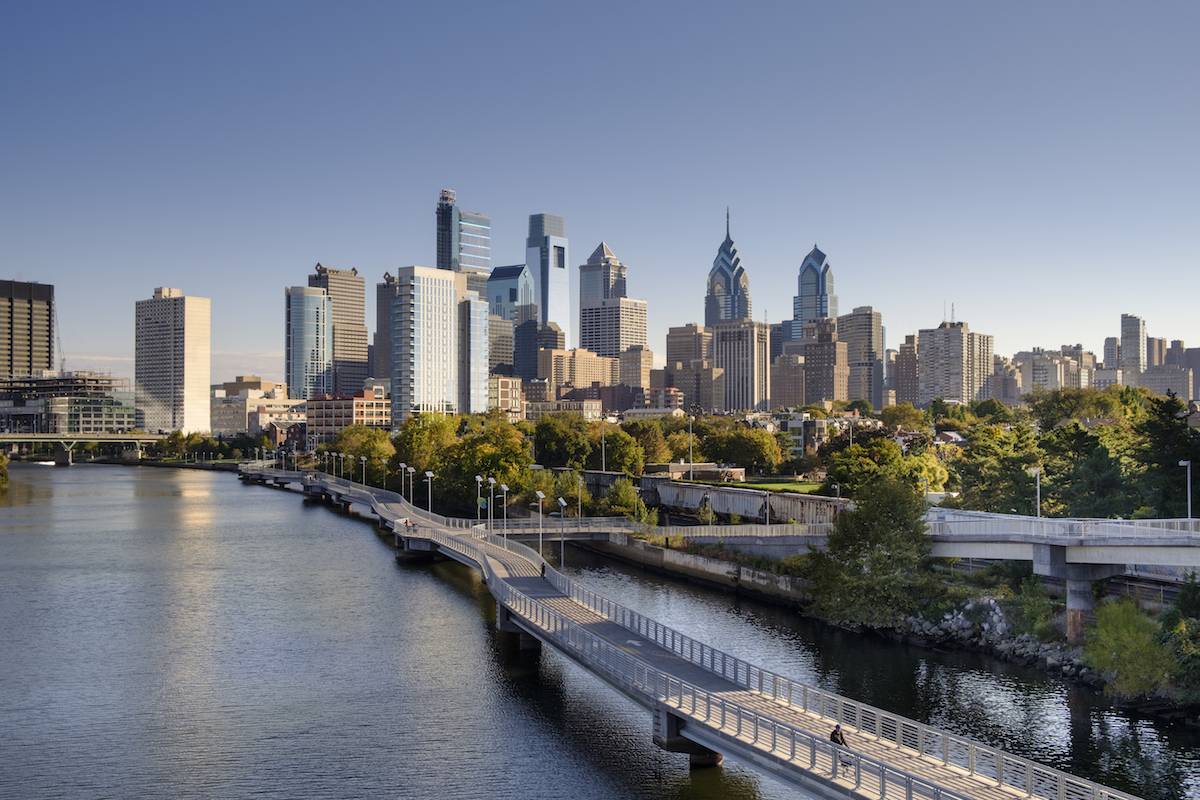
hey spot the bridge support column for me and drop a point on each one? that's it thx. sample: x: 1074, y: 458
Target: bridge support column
x: 412, y: 549
x: 63, y: 456
x: 668, y: 736
x: 505, y: 624
x: 1051, y: 560
x: 1080, y: 602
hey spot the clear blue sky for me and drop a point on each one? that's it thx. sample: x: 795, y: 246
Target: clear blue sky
x: 1038, y: 165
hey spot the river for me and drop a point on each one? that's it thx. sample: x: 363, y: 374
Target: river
x: 172, y: 633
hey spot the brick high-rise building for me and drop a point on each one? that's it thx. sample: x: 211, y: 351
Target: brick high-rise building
x: 348, y: 292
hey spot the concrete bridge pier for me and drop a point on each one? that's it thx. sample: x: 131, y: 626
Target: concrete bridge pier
x: 64, y: 454
x: 411, y: 550
x: 667, y: 736
x: 505, y: 624
x: 1051, y: 560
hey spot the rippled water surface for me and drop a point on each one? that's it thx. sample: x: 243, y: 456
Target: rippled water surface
x: 171, y: 633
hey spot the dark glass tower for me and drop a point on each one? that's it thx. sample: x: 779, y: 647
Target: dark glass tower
x: 464, y: 238
x: 728, y: 295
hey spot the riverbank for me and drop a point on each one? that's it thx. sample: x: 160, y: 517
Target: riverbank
x: 979, y: 624
x: 210, y: 466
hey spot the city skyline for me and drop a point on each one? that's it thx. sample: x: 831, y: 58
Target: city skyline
x: 914, y: 222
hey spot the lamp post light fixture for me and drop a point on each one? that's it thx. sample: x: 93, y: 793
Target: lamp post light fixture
x: 363, y: 459
x: 540, y: 498
x: 491, y: 523
x: 1036, y: 474
x: 478, y: 496
x: 837, y: 487
x: 603, y: 449
x: 412, y: 487
x: 580, y: 501
x: 562, y: 542
x: 1188, y: 463
x: 504, y: 494
x: 403, y: 467
x: 429, y: 481
x: 691, y: 462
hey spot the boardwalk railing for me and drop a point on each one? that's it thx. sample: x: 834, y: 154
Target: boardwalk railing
x: 732, y: 720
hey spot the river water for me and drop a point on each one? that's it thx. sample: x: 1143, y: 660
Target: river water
x: 170, y: 633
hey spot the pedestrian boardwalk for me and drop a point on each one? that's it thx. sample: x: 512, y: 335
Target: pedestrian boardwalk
x: 713, y: 699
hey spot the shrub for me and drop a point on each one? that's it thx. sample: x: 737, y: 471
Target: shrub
x: 1125, y: 646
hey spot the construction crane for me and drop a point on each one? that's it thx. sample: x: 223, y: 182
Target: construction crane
x: 62, y: 359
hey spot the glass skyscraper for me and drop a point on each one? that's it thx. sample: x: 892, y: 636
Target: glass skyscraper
x: 309, y: 342
x: 547, y: 256
x: 814, y: 286
x: 464, y: 238
x: 728, y: 296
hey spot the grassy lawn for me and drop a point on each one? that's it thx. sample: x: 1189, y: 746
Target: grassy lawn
x: 799, y: 487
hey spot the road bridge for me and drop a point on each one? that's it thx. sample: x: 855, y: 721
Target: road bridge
x: 703, y: 701
x: 68, y: 441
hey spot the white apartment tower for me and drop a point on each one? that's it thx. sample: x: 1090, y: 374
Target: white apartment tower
x: 439, y: 344
x: 1133, y: 347
x: 743, y: 349
x: 173, y: 362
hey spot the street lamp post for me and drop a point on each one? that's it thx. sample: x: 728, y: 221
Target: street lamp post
x: 412, y: 487
x: 1188, y: 463
x: 580, y: 502
x: 768, y: 506
x: 491, y: 502
x: 603, y: 450
x: 363, y: 459
x: 562, y: 542
x: 1036, y: 473
x: 540, y: 498
x: 429, y: 481
x: 837, y: 487
x: 691, y: 461
x: 403, y: 467
x: 504, y: 491
x: 478, y: 493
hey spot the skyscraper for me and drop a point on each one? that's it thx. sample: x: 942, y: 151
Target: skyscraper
x: 439, y: 344
x: 728, y: 297
x: 464, y: 238
x: 26, y: 328
x: 609, y: 322
x: 814, y: 286
x: 826, y: 361
x: 349, y: 294
x: 1156, y: 351
x: 953, y: 363
x: 511, y: 294
x: 1133, y: 347
x: 862, y: 331
x: 743, y: 349
x: 1112, y: 352
x: 688, y: 343
x: 547, y: 256
x: 906, y: 374
x: 381, y: 348
x: 173, y: 362
x: 308, y: 342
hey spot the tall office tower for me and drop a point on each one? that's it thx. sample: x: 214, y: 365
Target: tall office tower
x: 576, y: 368
x: 1004, y: 384
x: 742, y: 348
x: 1176, y: 355
x: 826, y: 361
x: 172, y: 361
x: 528, y: 339
x: 688, y: 343
x: 464, y: 238
x: 602, y: 277
x: 814, y: 291
x: 609, y: 322
x: 906, y: 380
x: 862, y: 331
x: 728, y: 297
x: 1133, y: 347
x: 308, y: 342
x: 349, y: 294
x: 439, y: 344
x: 1112, y: 352
x: 510, y: 293
x: 953, y: 363
x: 474, y: 355
x: 500, y: 345
x: 1156, y: 351
x: 381, y: 348
x: 26, y: 328
x: 546, y: 255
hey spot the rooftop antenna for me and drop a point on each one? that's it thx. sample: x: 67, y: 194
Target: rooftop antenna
x: 943, y: 311
x: 952, y: 313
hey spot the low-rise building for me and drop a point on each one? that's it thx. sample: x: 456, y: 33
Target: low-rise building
x: 231, y: 403
x: 505, y: 394
x: 590, y: 409
x: 1163, y: 379
x: 665, y: 397
x: 79, y: 402
x: 329, y: 415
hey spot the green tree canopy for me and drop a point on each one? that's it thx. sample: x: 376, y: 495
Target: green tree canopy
x: 905, y: 417
x: 422, y: 439
x: 618, y: 452
x: 359, y: 441
x: 1125, y: 646
x: 1166, y: 439
x: 561, y: 440
x: 678, y: 441
x: 649, y: 434
x: 993, y: 468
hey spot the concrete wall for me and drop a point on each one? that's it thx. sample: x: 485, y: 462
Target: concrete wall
x: 750, y: 504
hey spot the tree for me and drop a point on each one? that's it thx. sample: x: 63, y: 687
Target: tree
x: 623, y: 499
x: 678, y: 442
x: 753, y: 448
x: 992, y: 410
x: 649, y: 435
x: 421, y: 440
x: 561, y: 440
x: 904, y: 417
x: 492, y: 448
x: 1125, y: 646
x: 3, y: 473
x: 863, y: 407
x: 618, y: 452
x: 993, y: 468
x: 859, y: 464
x: 1166, y: 439
x: 359, y: 441
x: 1081, y: 478
x: 874, y: 569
